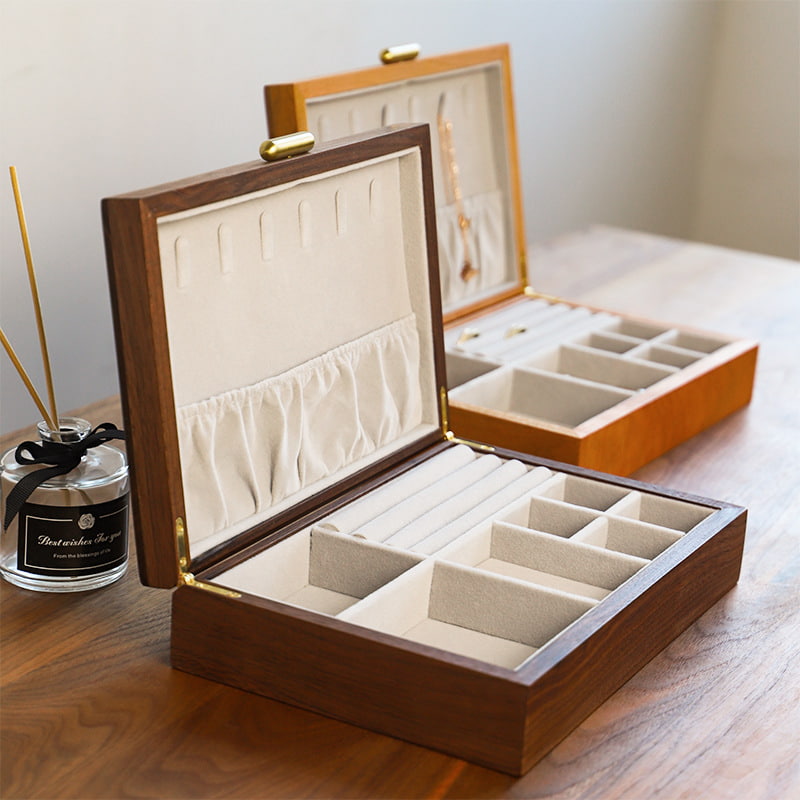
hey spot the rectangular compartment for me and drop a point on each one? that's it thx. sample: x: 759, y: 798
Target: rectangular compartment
x: 638, y: 329
x: 582, y: 492
x: 551, y: 516
x: 665, y: 354
x: 318, y: 570
x: 613, y: 342
x: 543, y: 559
x: 554, y: 398
x: 583, y: 362
x: 462, y: 369
x: 664, y: 511
x: 634, y: 538
x: 461, y: 610
x: 700, y: 343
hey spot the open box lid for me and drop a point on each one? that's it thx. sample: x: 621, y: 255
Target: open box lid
x: 279, y: 337
x: 466, y: 98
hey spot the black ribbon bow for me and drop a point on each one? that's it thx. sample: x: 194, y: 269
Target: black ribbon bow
x: 63, y: 456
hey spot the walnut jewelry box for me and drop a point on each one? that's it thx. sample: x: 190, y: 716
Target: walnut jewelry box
x: 334, y: 544
x: 527, y: 371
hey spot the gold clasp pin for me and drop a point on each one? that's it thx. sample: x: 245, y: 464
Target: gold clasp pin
x: 467, y: 334
x: 284, y: 146
x: 401, y: 52
x: 515, y: 330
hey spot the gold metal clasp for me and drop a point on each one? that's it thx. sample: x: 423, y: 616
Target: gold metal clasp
x: 401, y: 52
x: 185, y: 577
x: 292, y: 144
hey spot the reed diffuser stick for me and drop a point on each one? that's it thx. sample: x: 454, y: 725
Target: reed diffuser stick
x: 27, y: 381
x: 37, y: 308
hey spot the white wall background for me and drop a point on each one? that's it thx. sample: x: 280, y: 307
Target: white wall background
x: 638, y: 113
x: 747, y: 193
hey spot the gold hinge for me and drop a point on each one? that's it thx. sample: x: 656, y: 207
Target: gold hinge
x: 292, y: 144
x: 448, y: 434
x: 523, y: 268
x: 186, y: 578
x: 401, y: 52
x: 183, y: 545
x: 531, y: 292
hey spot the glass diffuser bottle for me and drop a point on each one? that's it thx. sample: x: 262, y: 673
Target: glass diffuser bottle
x: 71, y: 532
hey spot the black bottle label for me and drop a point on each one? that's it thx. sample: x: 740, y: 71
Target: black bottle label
x: 73, y: 541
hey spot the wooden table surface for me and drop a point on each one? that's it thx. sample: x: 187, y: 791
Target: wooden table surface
x: 91, y: 708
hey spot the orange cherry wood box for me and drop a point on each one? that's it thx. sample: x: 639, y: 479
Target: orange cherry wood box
x: 531, y: 372
x: 334, y: 544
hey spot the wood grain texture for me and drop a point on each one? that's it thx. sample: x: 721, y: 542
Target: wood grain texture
x: 351, y: 674
x: 640, y: 623
x: 90, y: 708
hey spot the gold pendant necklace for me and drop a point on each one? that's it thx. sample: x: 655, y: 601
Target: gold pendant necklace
x: 468, y: 271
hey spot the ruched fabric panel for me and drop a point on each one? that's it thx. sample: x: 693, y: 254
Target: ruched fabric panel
x: 248, y: 449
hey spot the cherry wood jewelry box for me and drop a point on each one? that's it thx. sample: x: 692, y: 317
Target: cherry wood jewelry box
x: 334, y: 544
x: 527, y: 371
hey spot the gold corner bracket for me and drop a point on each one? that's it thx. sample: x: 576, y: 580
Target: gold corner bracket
x: 401, y: 52
x: 449, y: 435
x: 484, y: 448
x: 185, y: 577
x: 292, y: 144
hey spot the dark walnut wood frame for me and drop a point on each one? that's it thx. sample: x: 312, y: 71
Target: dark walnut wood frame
x: 626, y: 436
x: 502, y: 718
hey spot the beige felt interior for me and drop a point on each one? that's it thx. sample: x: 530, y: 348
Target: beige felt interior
x: 562, y: 364
x: 300, y: 337
x: 470, y: 553
x: 471, y: 101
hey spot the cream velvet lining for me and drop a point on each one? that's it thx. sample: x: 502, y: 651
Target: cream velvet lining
x: 562, y: 364
x: 300, y: 336
x: 473, y: 554
x: 471, y: 100
x: 250, y: 448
